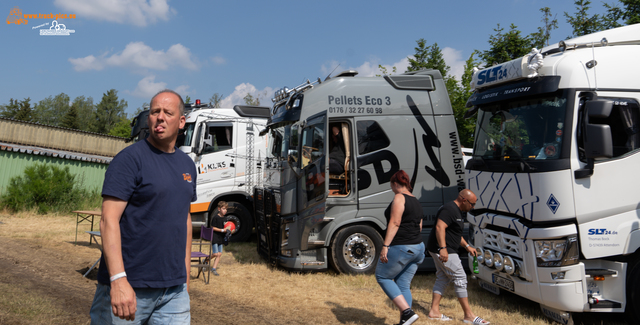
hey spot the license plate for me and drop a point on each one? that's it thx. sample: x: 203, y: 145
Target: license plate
x: 489, y: 287
x: 503, y: 282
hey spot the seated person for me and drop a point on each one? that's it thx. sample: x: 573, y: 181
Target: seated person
x: 336, y: 152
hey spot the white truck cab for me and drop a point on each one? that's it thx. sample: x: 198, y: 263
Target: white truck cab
x: 554, y: 168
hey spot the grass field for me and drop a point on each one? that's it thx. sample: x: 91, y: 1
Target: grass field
x: 41, y: 283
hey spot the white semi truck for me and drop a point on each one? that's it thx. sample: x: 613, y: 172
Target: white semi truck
x: 226, y: 148
x: 310, y: 216
x: 554, y: 167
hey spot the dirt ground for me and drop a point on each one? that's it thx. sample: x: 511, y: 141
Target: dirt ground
x: 41, y: 283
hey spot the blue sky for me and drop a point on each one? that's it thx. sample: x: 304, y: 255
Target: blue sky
x: 237, y: 47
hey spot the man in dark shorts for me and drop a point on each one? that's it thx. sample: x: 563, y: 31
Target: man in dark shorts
x: 443, y: 244
x: 146, y: 226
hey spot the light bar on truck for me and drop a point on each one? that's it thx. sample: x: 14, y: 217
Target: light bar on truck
x: 524, y: 67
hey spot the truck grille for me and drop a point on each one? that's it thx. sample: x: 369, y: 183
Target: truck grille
x: 501, y: 242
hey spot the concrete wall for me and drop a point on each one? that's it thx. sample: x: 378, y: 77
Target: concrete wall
x: 44, y: 136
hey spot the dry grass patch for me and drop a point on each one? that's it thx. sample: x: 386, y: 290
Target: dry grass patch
x: 248, y: 291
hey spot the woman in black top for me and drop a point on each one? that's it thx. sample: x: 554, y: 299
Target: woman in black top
x: 403, y: 249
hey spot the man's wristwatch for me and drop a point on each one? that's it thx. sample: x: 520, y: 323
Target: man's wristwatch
x: 439, y: 248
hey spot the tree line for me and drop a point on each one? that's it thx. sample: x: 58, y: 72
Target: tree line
x: 507, y: 45
x: 107, y: 117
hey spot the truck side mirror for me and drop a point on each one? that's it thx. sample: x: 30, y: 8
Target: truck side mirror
x: 598, y: 142
x: 200, y: 141
x: 597, y: 139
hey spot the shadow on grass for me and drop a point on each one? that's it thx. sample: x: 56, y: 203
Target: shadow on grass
x: 359, y: 316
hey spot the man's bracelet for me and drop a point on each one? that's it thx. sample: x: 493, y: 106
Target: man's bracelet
x: 118, y: 276
x: 439, y: 248
x: 466, y: 246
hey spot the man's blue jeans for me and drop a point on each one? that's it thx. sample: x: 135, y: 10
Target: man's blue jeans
x: 395, y: 276
x: 154, y: 306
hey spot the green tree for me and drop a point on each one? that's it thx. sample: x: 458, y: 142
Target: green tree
x: 250, y: 100
x: 86, y: 112
x: 51, y: 110
x: 581, y: 22
x: 215, y: 100
x: 616, y: 16
x: 507, y: 46
x: 121, y: 129
x: 385, y: 72
x: 459, y: 97
x: 109, y: 112
x: 11, y: 110
x: 25, y: 112
x: 541, y: 38
x: 187, y: 100
x: 70, y: 120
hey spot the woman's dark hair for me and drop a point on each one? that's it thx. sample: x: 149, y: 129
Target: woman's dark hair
x: 401, y: 177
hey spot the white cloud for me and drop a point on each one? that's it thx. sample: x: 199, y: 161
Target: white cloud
x: 139, y: 55
x: 454, y: 60
x: 218, y: 60
x: 183, y: 90
x: 148, y: 87
x: 87, y: 63
x: 135, y: 12
x: 241, y: 90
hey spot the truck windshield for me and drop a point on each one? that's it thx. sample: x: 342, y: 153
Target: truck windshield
x: 279, y: 144
x: 523, y: 129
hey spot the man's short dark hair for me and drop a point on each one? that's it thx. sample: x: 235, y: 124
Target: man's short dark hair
x: 180, y: 106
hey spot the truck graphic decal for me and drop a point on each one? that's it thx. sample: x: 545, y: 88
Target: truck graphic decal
x: 430, y: 140
x: 491, y: 191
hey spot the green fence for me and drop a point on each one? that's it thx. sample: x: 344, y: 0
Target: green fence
x: 89, y: 175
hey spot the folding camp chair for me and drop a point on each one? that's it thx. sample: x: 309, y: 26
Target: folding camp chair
x: 201, y: 259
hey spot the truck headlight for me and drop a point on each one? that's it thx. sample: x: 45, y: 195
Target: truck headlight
x: 558, y: 252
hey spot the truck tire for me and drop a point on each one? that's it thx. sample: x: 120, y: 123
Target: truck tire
x: 354, y: 250
x: 632, y: 309
x: 238, y: 214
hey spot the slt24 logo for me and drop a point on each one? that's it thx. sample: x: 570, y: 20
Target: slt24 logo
x: 594, y: 231
x: 491, y: 75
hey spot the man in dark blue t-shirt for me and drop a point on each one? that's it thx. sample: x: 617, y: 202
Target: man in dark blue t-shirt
x: 146, y: 226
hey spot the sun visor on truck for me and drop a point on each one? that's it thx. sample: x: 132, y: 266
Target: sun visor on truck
x: 252, y: 111
x: 411, y: 82
x: 527, y: 87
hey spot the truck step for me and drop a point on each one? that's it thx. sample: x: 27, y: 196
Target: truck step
x: 594, y: 272
x: 316, y: 243
x: 606, y: 304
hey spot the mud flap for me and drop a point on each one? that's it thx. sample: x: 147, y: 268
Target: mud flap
x: 562, y: 317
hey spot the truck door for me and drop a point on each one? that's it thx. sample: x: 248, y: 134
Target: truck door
x: 312, y: 181
x: 214, y: 164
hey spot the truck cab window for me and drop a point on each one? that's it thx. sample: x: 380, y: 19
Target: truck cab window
x: 218, y: 138
x: 371, y: 137
x: 624, y: 121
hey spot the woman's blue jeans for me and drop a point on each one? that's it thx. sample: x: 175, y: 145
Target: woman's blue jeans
x: 395, y: 276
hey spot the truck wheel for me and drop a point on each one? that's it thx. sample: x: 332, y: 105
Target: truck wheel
x: 238, y: 214
x: 633, y: 292
x: 354, y: 250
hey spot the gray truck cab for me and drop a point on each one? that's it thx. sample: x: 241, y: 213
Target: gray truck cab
x: 333, y: 147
